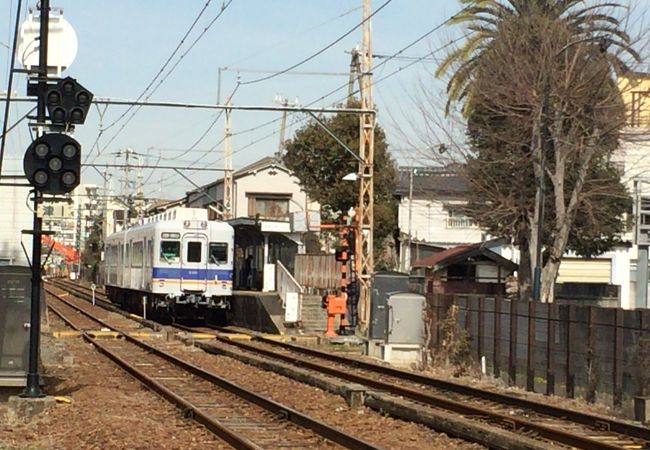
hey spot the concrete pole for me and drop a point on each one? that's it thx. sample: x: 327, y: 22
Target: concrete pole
x: 407, y: 265
x: 227, y: 161
x: 642, y: 278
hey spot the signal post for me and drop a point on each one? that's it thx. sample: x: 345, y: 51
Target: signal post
x: 52, y: 165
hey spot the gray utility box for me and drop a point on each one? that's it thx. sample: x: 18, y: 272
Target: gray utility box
x: 15, y: 299
x: 383, y: 284
x: 405, y: 321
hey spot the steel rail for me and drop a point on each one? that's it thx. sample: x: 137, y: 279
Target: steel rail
x: 547, y: 432
x: 211, y: 424
x: 590, y: 420
x: 582, y: 418
x: 331, y: 433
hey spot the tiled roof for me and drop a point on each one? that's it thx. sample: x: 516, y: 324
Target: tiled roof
x: 431, y: 183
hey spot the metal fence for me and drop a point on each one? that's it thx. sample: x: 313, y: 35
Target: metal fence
x: 593, y: 352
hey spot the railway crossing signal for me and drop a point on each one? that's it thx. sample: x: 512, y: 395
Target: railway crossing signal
x: 52, y: 163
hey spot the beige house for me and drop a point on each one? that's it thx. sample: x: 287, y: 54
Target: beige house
x: 271, y: 214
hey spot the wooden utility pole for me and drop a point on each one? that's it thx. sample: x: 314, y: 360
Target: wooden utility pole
x: 366, y: 185
x: 227, y: 161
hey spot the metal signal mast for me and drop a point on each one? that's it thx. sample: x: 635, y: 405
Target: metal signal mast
x: 366, y: 185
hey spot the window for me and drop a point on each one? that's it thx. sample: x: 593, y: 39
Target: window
x: 194, y: 252
x: 138, y: 254
x: 640, y: 109
x: 127, y: 255
x: 170, y: 251
x: 218, y: 253
x: 269, y: 207
x: 149, y: 260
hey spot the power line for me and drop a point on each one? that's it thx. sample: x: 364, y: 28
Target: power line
x: 385, y: 60
x: 224, y: 6
x: 300, y: 33
x: 314, y: 55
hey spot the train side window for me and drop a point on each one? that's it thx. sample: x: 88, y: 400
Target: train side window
x: 194, y: 251
x: 127, y: 255
x: 218, y: 252
x: 137, y: 254
x: 149, y: 253
x: 170, y: 251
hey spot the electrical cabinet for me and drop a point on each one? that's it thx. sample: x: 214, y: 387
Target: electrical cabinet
x: 15, y: 299
x: 384, y: 284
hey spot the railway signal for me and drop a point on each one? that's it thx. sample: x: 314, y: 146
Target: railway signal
x: 67, y: 101
x: 52, y: 163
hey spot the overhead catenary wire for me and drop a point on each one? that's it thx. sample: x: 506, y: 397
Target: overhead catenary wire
x: 148, y: 91
x: 319, y: 52
x: 384, y: 61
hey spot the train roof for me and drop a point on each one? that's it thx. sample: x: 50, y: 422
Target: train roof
x: 179, y: 218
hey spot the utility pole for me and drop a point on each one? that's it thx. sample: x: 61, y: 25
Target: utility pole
x: 366, y: 188
x: 283, y: 126
x: 407, y: 265
x: 78, y: 240
x: 105, y: 230
x: 139, y: 193
x: 227, y: 161
x: 355, y: 69
x: 125, y: 189
x: 283, y: 123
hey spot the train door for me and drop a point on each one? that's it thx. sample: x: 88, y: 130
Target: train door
x: 194, y: 262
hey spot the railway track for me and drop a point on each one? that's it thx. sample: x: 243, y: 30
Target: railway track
x: 548, y: 424
x: 240, y: 417
x: 533, y: 419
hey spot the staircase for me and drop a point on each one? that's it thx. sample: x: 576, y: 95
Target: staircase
x: 314, y: 316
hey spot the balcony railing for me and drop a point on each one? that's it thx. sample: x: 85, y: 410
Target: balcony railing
x: 460, y: 223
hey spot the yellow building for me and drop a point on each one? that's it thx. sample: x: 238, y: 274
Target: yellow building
x: 618, y: 267
x: 636, y: 95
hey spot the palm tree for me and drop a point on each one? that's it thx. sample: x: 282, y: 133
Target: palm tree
x: 589, y: 25
x: 535, y: 82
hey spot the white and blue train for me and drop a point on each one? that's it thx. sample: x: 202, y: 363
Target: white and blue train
x: 178, y: 263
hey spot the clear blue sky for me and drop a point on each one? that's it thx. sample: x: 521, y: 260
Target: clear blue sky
x: 123, y: 44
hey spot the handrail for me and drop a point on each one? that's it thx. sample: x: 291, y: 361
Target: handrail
x: 285, y: 283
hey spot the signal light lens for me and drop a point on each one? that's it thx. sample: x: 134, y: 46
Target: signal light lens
x: 40, y: 177
x: 76, y: 115
x: 55, y: 164
x: 53, y: 98
x: 69, y: 178
x: 41, y: 150
x: 83, y: 98
x: 69, y: 151
x: 67, y: 88
x: 58, y: 115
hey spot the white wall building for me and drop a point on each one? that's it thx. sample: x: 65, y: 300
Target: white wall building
x: 430, y: 211
x: 264, y: 187
x: 16, y: 216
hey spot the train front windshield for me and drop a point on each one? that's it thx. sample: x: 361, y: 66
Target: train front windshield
x: 170, y: 251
